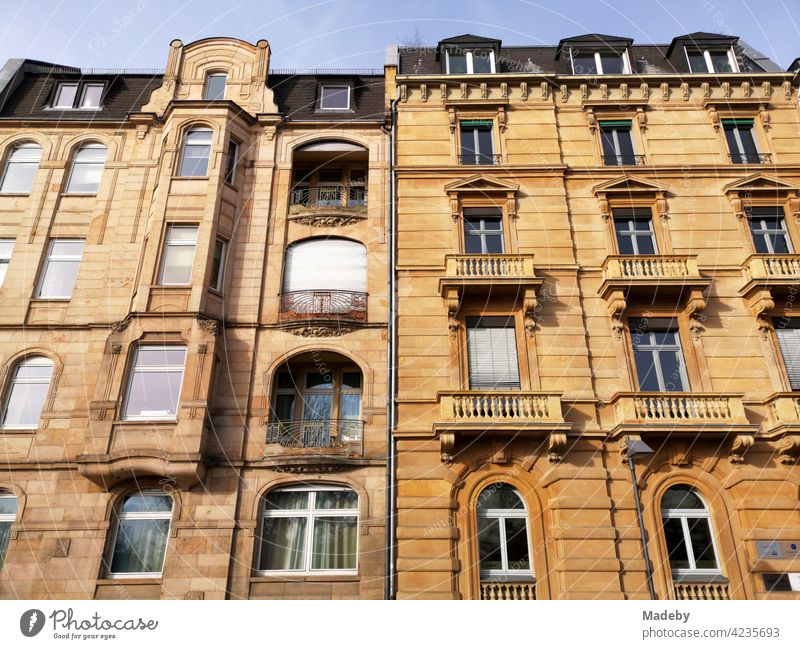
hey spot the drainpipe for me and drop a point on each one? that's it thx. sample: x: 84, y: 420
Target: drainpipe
x: 391, y: 469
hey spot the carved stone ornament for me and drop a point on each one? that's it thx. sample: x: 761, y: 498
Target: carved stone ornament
x: 121, y: 325
x: 530, y: 303
x: 453, y: 302
x: 326, y: 221
x: 209, y: 326
x: 740, y: 445
x: 319, y: 331
x: 556, y: 446
x: 789, y: 448
x: 447, y: 444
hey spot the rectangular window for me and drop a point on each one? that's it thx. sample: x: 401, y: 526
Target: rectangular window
x: 477, y: 147
x: 334, y: 98
x: 483, y: 230
x: 768, y: 226
x: 91, y: 95
x: 154, y: 386
x: 634, y: 228
x: 713, y: 61
x: 218, y: 264
x: 741, y: 141
x: 788, y: 332
x: 61, y: 268
x: 215, y: 86
x: 492, y: 353
x: 470, y: 61
x: 588, y: 63
x: 196, y: 153
x: 178, y: 258
x: 658, y: 355
x: 617, y: 143
x: 65, y: 95
x: 231, y: 162
x: 6, y: 247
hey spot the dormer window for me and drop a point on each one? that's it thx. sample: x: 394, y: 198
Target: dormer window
x: 215, y: 86
x: 72, y: 95
x: 711, y: 60
x: 334, y: 97
x: 598, y: 62
x: 472, y: 61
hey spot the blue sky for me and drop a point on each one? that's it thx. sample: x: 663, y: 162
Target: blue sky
x: 353, y: 33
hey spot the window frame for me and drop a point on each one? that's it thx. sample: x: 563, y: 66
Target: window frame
x: 475, y: 213
x: 617, y: 217
x: 10, y: 519
x: 706, y: 52
x: 5, y: 258
x: 166, y: 369
x: 469, y: 60
x: 9, y: 389
x: 199, y: 128
x: 120, y: 516
x: 493, y: 575
x: 478, y: 155
x: 612, y: 126
x: 310, y: 513
x: 209, y: 76
x: 299, y: 391
x: 324, y: 86
x: 9, y: 161
x: 49, y: 257
x: 217, y: 282
x: 80, y: 94
x: 75, y: 163
x: 180, y: 243
x: 780, y: 214
x: 683, y: 515
x: 654, y: 350
x: 511, y: 323
x: 232, y: 161
x: 598, y: 62
x: 725, y: 122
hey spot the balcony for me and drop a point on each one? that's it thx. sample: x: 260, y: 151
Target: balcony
x: 344, y: 435
x: 328, y: 206
x: 782, y: 425
x: 325, y: 305
x: 750, y: 158
x: 646, y: 278
x: 614, y: 160
x: 518, y: 591
x: 488, y: 274
x: 769, y: 278
x: 685, y: 591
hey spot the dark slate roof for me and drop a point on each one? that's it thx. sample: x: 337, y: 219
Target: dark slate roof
x: 297, y: 96
x: 700, y: 38
x: 470, y: 38
x: 645, y: 59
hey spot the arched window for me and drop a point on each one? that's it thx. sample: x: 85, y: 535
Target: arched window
x: 687, y: 529
x: 503, y: 545
x: 324, y: 278
x: 27, y: 392
x: 87, y: 169
x: 21, y: 166
x: 195, y: 153
x: 141, y: 535
x: 8, y: 514
x: 309, y: 529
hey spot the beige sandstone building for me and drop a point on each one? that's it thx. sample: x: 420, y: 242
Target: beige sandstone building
x: 344, y: 335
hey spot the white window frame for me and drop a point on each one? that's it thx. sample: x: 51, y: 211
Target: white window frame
x: 61, y: 85
x: 132, y: 516
x: 33, y: 360
x: 10, y: 161
x: 683, y: 515
x: 706, y: 52
x: 8, y: 518
x: 632, y: 234
x: 5, y: 258
x: 177, y: 243
x: 185, y: 143
x: 216, y: 283
x: 598, y: 61
x: 208, y: 78
x: 310, y: 513
x: 322, y: 88
x: 470, y: 66
x: 46, y: 267
x: 654, y: 349
x: 764, y: 234
x: 501, y: 515
x: 153, y: 369
x: 82, y: 97
x: 76, y: 162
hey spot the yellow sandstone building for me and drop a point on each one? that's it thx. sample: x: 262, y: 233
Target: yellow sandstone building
x: 356, y: 334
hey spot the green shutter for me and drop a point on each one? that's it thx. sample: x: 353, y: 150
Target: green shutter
x: 476, y: 122
x: 619, y: 123
x: 737, y: 122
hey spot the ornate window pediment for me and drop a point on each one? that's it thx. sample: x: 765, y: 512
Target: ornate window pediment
x: 634, y: 189
x: 762, y: 187
x: 479, y: 186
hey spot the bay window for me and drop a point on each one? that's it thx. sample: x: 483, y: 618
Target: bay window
x: 195, y: 153
x: 177, y: 261
x: 154, y: 383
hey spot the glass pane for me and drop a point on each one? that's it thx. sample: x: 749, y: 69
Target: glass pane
x: 625, y: 145
x: 485, y: 146
x: 584, y: 63
x: 19, y: 177
x: 492, y: 224
x: 481, y: 61
x: 779, y: 243
x: 697, y: 62
x: 36, y: 367
x: 3, y: 271
x: 609, y: 149
x: 721, y: 62
x: 177, y: 265
x: 5, y: 536
x: 625, y: 244
x: 473, y: 244
x: 336, y: 500
x: 286, y: 500
x: 215, y: 86
x: 748, y: 143
x: 468, y: 146
x: 334, y: 545
x: 217, y: 264
x: 91, y: 95
x: 499, y: 496
x: 351, y: 380
x: 676, y: 544
x: 671, y: 364
x: 458, y: 63
x: 664, y: 337
x: 517, y: 544
x: 286, y: 380
x: 154, y: 394
x: 317, y: 380
x: 612, y: 64
x: 182, y: 233
x: 160, y: 356
x: 24, y: 405
x: 702, y: 545
x: 144, y: 502
x: 494, y: 243
x: 646, y: 371
x: 199, y: 136
x: 681, y: 498
x: 8, y: 505
x: 491, y: 556
x: 283, y: 544
x: 65, y: 95
x: 284, y: 407
x: 140, y: 546
x: 317, y: 406
x: 194, y: 162
x: 66, y: 248
x: 335, y: 97
x: 350, y: 406
x: 85, y: 177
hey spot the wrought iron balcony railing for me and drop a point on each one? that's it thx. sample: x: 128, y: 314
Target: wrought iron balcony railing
x: 750, y: 158
x: 480, y: 158
x: 614, y: 160
x: 324, y: 305
x: 329, y: 196
x: 317, y: 433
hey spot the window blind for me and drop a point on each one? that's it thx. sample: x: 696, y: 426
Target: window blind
x: 789, y: 342
x: 738, y: 122
x: 620, y: 123
x: 476, y: 122
x: 326, y: 264
x: 492, y: 353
